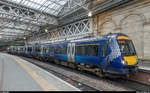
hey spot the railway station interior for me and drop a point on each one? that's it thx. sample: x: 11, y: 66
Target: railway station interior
x: 75, y: 45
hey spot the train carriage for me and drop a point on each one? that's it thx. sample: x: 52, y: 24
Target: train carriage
x: 44, y: 52
x: 29, y: 50
x: 111, y: 53
x: 37, y: 52
x: 21, y: 50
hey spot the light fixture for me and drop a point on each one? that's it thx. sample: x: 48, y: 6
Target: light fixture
x: 90, y: 13
x: 24, y: 38
x: 46, y: 30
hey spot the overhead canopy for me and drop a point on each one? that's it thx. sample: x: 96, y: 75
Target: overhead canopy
x: 52, y: 7
x: 21, y: 18
x: 29, y: 18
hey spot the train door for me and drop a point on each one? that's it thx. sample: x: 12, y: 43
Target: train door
x: 26, y: 48
x: 71, y: 52
x: 103, y: 54
x: 42, y: 50
x: 33, y: 51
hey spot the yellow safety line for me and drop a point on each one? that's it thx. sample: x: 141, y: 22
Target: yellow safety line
x: 42, y: 82
x: 146, y: 31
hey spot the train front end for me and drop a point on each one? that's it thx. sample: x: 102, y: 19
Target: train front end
x: 129, y: 59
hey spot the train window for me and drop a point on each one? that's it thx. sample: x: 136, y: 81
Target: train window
x: 45, y: 50
x: 51, y: 49
x: 29, y: 49
x: 82, y: 50
x: 64, y: 50
x: 104, y: 50
x: 127, y: 47
x: 61, y: 50
x: 21, y: 49
x: 57, y: 50
x: 37, y: 49
x: 92, y: 50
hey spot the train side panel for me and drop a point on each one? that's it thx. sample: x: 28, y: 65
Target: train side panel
x: 89, y: 52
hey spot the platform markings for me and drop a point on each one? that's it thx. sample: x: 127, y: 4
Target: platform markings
x: 42, y: 82
x: 2, y: 74
x: 51, y: 75
x: 147, y: 31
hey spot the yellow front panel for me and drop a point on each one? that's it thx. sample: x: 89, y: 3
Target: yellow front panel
x: 132, y: 60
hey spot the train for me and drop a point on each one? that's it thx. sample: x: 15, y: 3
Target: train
x: 111, y: 54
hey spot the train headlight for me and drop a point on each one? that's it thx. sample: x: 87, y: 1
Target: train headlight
x: 124, y: 62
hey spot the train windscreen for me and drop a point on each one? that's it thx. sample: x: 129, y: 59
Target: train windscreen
x: 127, y: 47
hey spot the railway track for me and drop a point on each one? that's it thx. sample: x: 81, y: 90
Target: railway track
x: 87, y: 81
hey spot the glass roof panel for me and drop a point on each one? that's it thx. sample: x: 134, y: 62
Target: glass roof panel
x: 17, y: 1
x: 49, y: 6
x: 62, y: 2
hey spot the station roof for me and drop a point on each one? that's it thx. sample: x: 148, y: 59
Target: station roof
x: 28, y: 18
x: 52, y: 7
x: 21, y: 18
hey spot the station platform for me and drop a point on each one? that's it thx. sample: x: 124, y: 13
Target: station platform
x: 144, y: 65
x: 17, y: 74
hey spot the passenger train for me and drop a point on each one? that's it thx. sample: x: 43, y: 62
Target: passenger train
x: 113, y: 54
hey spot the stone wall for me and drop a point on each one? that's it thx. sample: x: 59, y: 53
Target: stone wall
x: 133, y: 20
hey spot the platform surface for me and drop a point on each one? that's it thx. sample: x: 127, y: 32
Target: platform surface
x: 17, y: 74
x: 144, y: 65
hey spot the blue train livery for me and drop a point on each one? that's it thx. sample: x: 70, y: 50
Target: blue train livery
x: 113, y: 53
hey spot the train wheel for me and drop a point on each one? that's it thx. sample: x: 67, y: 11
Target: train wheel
x: 80, y: 69
x: 72, y: 65
x: 100, y: 73
x: 56, y: 62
